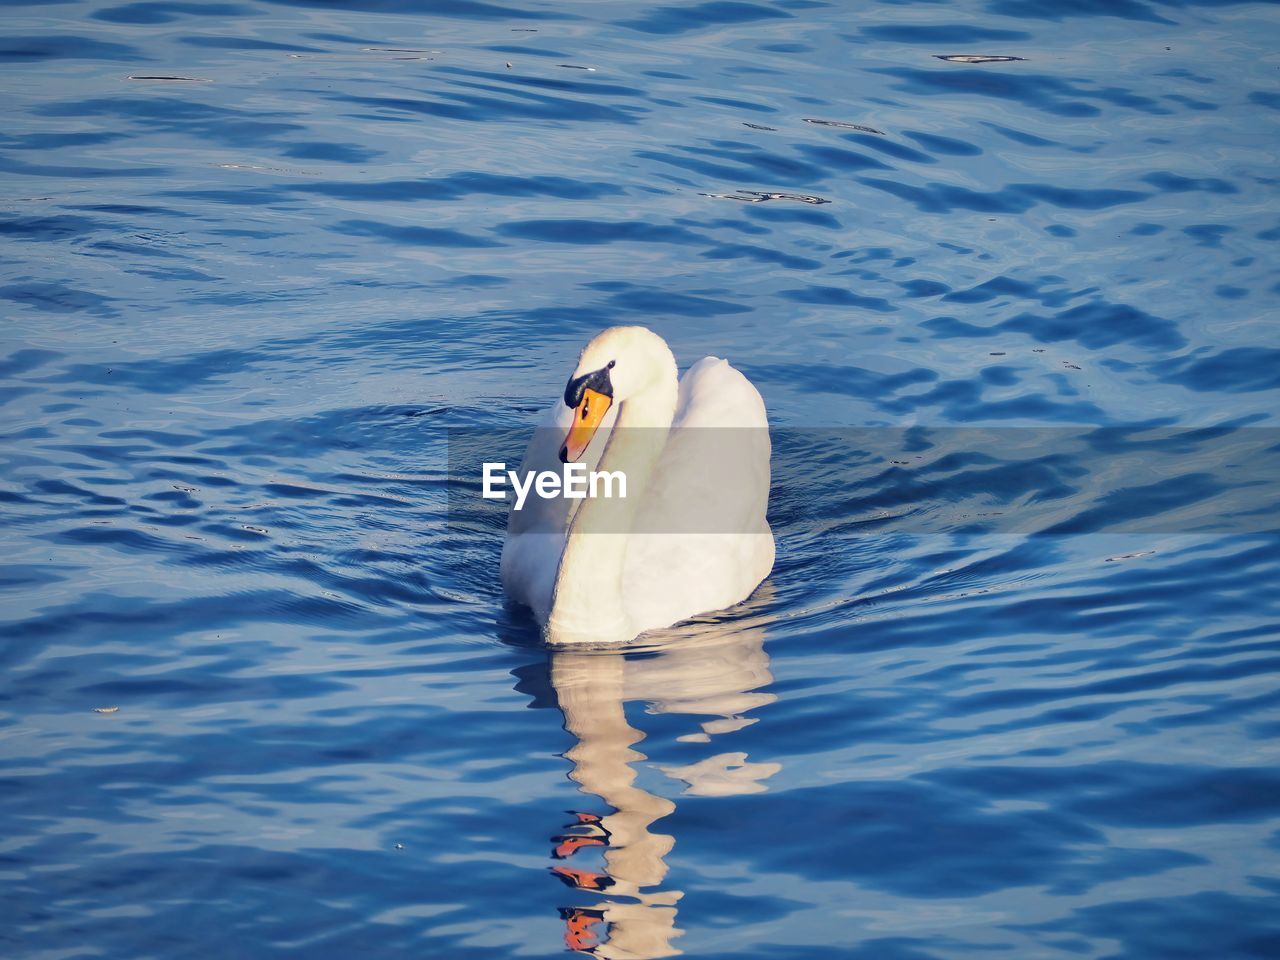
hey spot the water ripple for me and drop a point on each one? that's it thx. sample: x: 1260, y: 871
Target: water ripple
x: 1005, y: 277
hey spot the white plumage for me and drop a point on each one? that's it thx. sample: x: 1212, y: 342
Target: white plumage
x: 692, y: 536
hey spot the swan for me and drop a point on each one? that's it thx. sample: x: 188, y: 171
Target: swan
x: 689, y: 537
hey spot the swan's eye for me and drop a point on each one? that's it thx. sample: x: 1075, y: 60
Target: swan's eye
x: 585, y: 404
x: 611, y: 363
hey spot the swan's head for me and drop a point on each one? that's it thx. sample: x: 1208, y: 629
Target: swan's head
x: 617, y: 364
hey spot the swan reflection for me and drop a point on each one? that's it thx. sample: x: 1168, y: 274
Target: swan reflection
x: 720, y: 675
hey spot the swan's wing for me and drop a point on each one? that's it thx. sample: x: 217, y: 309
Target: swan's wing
x: 543, y: 453
x: 701, y: 541
x: 536, y: 533
x: 714, y: 393
x: 714, y: 473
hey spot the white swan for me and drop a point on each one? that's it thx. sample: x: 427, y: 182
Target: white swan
x: 690, y: 536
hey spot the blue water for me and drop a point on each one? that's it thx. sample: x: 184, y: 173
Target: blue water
x: 242, y: 310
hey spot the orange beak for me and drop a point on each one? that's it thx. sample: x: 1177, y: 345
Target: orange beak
x: 586, y: 419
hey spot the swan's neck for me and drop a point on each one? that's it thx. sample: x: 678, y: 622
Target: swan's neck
x: 588, y: 603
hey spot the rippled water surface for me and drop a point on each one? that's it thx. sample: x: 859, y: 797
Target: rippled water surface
x: 261, y: 698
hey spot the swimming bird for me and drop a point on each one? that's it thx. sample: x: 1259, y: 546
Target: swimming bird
x: 689, y: 537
